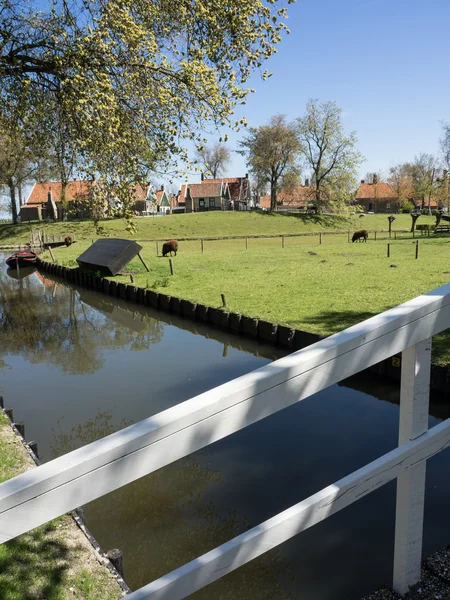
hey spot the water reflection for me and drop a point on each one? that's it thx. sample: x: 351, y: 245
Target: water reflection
x: 78, y: 365
x: 45, y: 321
x: 20, y: 274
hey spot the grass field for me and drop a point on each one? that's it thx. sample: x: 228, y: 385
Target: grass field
x: 52, y: 562
x: 208, y: 224
x: 321, y: 288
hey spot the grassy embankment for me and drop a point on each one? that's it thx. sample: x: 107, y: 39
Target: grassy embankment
x: 52, y: 562
x: 207, y: 224
x: 338, y: 286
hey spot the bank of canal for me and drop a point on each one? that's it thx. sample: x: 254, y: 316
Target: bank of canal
x: 76, y: 365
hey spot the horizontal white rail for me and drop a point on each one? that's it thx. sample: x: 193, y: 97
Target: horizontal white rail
x: 74, y: 479
x: 273, y: 532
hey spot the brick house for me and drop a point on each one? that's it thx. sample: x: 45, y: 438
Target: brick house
x: 297, y: 199
x: 377, y: 197
x: 226, y: 193
x: 239, y: 189
x: 44, y: 200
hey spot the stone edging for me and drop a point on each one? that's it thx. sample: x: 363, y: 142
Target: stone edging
x: 77, y: 515
x: 278, y: 335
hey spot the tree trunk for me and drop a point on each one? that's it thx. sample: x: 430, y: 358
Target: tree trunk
x: 12, y: 194
x: 273, y: 195
x: 414, y: 218
x: 438, y: 218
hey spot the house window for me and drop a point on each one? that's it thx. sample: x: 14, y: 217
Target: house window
x: 212, y: 203
x: 201, y: 202
x: 388, y: 206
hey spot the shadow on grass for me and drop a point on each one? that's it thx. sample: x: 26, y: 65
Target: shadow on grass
x: 321, y: 220
x: 9, y: 231
x: 334, y: 321
x: 32, y: 567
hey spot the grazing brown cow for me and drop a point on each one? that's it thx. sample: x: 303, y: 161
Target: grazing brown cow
x: 170, y: 246
x: 68, y: 240
x: 358, y: 235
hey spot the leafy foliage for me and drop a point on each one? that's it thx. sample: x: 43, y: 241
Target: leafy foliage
x: 329, y: 154
x: 130, y: 80
x: 271, y: 152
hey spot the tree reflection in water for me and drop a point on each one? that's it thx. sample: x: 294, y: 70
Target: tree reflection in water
x: 46, y: 321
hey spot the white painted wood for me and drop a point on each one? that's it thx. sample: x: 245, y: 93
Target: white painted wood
x: 413, y: 422
x: 96, y: 469
x: 409, y: 528
x: 260, y: 539
x: 415, y: 391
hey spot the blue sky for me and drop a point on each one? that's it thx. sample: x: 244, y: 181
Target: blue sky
x: 385, y: 64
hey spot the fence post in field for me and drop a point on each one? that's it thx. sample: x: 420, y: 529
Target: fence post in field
x: 282, y: 241
x: 246, y: 243
x: 395, y: 235
x: 202, y: 246
x: 375, y: 235
x: 388, y: 250
x: 320, y: 238
x: 348, y: 236
x: 171, y: 266
x: 417, y: 249
x: 414, y: 404
x: 157, y: 249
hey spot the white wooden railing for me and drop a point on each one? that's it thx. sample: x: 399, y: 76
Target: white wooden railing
x: 83, y: 475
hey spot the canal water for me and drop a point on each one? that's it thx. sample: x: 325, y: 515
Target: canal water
x: 76, y: 366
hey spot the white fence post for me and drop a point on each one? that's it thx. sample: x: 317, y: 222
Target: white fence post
x: 414, y: 406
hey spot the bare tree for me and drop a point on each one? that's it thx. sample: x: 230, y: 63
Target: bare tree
x: 214, y: 160
x: 272, y: 152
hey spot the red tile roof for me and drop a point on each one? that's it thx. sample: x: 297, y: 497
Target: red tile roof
x: 74, y: 190
x: 182, y: 195
x: 39, y: 193
x: 205, y: 189
x: 375, y: 190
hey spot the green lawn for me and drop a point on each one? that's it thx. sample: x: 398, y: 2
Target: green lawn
x: 339, y: 285
x: 52, y: 562
x: 208, y: 224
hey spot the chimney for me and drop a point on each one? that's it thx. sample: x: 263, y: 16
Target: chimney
x: 306, y: 182
x: 362, y: 182
x: 162, y: 187
x: 375, y: 178
x: 203, y: 177
x: 246, y: 176
x: 49, y: 195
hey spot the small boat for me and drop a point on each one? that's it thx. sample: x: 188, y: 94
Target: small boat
x: 24, y: 258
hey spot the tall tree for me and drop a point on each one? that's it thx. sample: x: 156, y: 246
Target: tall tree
x: 18, y: 163
x: 272, y: 152
x: 400, y: 181
x: 328, y: 153
x: 214, y: 159
x: 423, y: 172
x: 133, y: 79
x: 445, y: 145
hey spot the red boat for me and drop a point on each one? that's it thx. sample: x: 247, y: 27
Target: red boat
x: 24, y: 258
